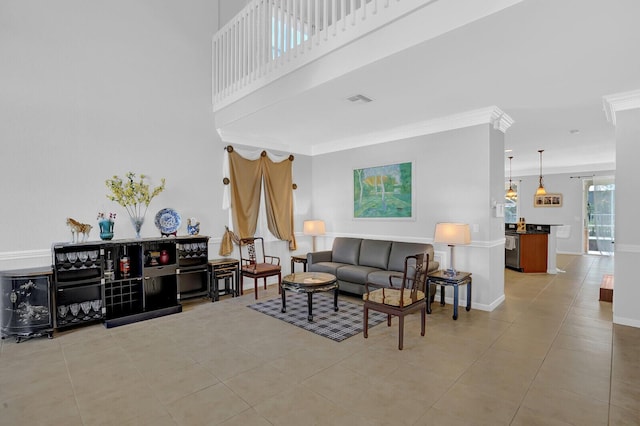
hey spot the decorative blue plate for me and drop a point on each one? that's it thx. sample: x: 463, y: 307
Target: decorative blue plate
x: 168, y: 221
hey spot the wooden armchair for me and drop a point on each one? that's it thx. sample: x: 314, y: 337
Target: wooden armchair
x: 401, y: 298
x: 255, y: 264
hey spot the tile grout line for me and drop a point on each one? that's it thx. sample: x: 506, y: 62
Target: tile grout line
x: 584, y: 277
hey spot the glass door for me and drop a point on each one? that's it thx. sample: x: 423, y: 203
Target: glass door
x: 600, y: 215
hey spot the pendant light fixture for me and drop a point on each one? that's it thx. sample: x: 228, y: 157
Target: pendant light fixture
x: 541, y: 190
x: 511, y: 194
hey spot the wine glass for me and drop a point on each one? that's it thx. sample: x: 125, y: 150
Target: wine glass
x: 74, y: 308
x: 93, y: 255
x: 62, y: 314
x: 72, y: 257
x: 82, y: 257
x: 95, y: 305
x: 86, y: 307
x: 61, y: 257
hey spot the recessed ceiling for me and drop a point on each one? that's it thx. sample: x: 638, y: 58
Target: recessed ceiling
x: 546, y: 63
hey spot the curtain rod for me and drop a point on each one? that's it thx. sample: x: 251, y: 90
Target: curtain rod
x: 578, y: 177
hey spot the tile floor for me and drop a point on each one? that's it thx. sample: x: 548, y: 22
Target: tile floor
x: 549, y: 355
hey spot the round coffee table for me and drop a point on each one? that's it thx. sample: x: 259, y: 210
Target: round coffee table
x: 309, y: 282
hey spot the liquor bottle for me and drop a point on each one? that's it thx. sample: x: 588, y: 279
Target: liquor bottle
x: 125, y: 265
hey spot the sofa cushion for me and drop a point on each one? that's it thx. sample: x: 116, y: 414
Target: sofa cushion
x: 354, y: 274
x: 328, y: 267
x: 346, y: 250
x: 382, y: 277
x: 400, y: 250
x: 374, y: 253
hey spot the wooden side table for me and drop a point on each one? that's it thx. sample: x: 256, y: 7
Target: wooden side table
x: 226, y: 269
x: 299, y: 259
x: 442, y: 279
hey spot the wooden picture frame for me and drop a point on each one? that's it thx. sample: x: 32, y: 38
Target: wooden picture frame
x: 384, y: 192
x: 547, y: 200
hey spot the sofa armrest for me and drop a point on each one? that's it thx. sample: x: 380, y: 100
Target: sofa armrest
x: 319, y: 256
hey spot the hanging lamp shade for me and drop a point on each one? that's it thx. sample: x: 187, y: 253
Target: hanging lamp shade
x: 511, y: 193
x: 541, y: 190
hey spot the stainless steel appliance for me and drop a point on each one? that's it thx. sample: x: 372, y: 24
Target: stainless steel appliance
x: 512, y: 251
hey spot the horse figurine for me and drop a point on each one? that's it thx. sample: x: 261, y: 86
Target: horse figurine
x: 78, y: 228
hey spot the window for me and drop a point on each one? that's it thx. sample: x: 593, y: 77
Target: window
x: 511, y: 205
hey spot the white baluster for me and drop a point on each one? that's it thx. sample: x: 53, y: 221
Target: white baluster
x: 296, y: 28
x: 268, y: 36
x: 334, y: 23
x: 214, y: 70
x: 281, y: 29
x: 325, y: 18
x: 353, y: 11
x: 241, y: 50
x: 318, y: 29
x: 291, y: 30
x: 310, y: 30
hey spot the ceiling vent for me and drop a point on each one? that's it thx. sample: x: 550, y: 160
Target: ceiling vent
x: 359, y: 98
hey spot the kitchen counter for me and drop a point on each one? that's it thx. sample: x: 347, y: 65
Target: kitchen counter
x: 532, y: 228
x: 533, y: 250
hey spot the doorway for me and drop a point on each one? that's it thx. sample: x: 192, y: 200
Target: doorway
x: 599, y: 214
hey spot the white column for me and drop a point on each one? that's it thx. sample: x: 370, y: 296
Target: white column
x: 623, y: 111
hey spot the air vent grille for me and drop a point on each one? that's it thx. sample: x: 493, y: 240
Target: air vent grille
x: 359, y: 98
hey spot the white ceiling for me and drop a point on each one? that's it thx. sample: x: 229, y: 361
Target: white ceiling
x: 546, y: 63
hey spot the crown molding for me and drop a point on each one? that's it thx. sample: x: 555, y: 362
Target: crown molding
x: 490, y: 115
x: 500, y: 120
x: 620, y: 102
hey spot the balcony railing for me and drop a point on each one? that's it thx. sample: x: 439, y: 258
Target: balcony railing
x: 270, y: 38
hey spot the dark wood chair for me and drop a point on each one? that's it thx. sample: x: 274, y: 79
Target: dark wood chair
x: 400, y: 298
x: 255, y: 264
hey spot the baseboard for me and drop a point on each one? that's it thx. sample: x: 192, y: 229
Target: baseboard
x: 631, y: 322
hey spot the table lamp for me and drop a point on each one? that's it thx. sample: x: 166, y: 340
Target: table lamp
x: 314, y: 228
x: 452, y: 234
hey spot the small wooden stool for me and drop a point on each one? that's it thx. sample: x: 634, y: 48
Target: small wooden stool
x: 606, y: 289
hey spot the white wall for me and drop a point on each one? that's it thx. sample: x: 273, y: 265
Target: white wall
x: 456, y: 175
x: 93, y: 89
x: 572, y: 211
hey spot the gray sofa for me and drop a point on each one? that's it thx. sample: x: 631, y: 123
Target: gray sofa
x: 355, y: 261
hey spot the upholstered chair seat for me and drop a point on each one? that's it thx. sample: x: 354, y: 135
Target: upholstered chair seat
x: 391, y: 296
x: 255, y: 264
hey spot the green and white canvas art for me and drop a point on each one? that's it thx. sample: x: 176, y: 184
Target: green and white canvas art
x: 383, y: 191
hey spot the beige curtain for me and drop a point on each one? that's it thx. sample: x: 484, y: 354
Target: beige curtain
x: 226, y: 245
x: 246, y: 179
x: 278, y: 190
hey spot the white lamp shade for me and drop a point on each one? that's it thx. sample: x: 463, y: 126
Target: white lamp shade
x: 314, y: 227
x: 452, y: 233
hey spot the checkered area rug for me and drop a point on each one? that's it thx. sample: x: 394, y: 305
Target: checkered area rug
x: 336, y: 326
